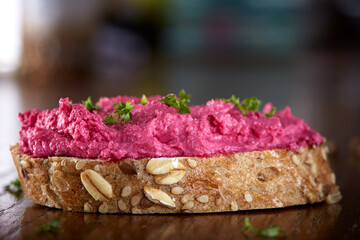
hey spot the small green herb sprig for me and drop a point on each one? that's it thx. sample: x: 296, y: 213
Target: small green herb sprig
x: 144, y: 100
x: 269, y: 232
x: 14, y: 187
x: 180, y: 104
x: 52, y: 227
x: 89, y: 105
x: 122, y: 112
x: 184, y: 97
x: 271, y: 113
x: 248, y: 104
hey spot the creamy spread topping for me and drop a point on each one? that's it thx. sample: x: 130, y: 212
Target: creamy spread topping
x: 158, y: 130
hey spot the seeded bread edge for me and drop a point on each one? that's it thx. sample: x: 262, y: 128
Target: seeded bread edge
x: 223, y: 183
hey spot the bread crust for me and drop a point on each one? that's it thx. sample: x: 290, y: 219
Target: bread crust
x: 241, y: 181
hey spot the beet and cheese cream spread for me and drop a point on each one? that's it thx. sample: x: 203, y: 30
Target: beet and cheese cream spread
x: 129, y: 127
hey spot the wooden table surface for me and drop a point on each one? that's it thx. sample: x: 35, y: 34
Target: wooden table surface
x: 20, y: 218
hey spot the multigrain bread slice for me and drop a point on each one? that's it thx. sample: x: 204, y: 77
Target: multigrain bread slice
x: 242, y: 181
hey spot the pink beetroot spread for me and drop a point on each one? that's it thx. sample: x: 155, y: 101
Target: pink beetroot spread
x: 157, y: 130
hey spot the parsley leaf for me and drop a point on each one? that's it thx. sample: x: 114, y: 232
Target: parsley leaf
x: 122, y: 112
x: 171, y: 101
x: 236, y: 101
x: 248, y: 104
x: 14, y: 187
x: 110, y: 119
x: 89, y: 106
x: 52, y: 227
x: 144, y: 100
x: 184, y: 97
x: 251, y: 104
x: 272, y: 231
x: 271, y: 113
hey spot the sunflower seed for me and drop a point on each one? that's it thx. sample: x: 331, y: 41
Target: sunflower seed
x: 79, y: 165
x: 88, y: 207
x: 184, y: 199
x: 135, y: 200
x: 188, y: 205
x: 158, y: 166
x: 96, y: 185
x: 203, y: 198
x: 122, y: 205
x: 126, y: 191
x: 177, y: 190
x: 170, y: 178
x: 159, y: 197
x: 192, y: 163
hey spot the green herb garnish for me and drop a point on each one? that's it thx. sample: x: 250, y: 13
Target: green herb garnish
x: 122, y: 112
x: 251, y: 104
x: 271, y: 113
x: 144, y: 100
x: 110, y: 119
x: 234, y: 100
x: 272, y: 231
x: 14, y: 187
x: 180, y: 104
x: 248, y: 104
x: 52, y: 227
x: 171, y: 101
x: 89, y: 106
x: 184, y: 97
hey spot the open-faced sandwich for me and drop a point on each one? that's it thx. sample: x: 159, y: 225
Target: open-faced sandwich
x: 157, y: 155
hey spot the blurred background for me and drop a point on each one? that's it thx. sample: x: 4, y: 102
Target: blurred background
x: 305, y: 54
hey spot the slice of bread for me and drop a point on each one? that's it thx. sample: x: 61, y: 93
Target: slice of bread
x: 242, y: 181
